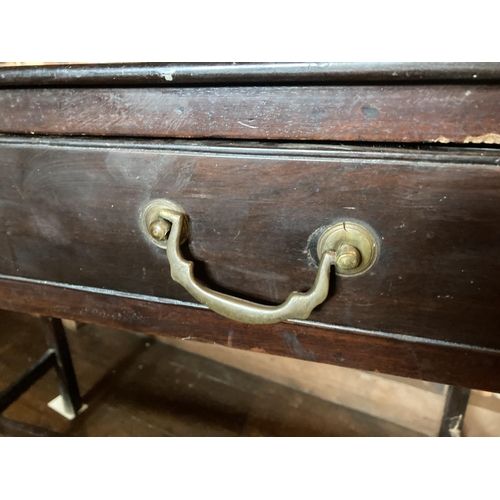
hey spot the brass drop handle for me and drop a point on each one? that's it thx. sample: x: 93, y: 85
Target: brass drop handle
x: 351, y: 247
x: 296, y: 306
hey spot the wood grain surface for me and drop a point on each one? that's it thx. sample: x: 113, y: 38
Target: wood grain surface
x: 463, y: 113
x: 70, y: 215
x: 407, y: 357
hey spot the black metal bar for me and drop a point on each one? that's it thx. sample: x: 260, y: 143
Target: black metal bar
x: 178, y: 74
x: 457, y: 399
x: 68, y: 385
x: 27, y: 379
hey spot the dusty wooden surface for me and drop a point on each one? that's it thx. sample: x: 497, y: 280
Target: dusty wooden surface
x: 71, y: 215
x: 438, y: 362
x: 391, y: 113
x: 428, y: 308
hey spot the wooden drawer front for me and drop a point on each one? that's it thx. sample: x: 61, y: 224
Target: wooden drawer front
x: 71, y: 209
x: 392, y: 113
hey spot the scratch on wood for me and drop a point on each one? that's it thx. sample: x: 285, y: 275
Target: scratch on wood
x: 417, y: 361
x: 246, y: 125
x: 199, y: 339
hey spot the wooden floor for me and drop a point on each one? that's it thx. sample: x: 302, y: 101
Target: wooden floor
x: 137, y: 385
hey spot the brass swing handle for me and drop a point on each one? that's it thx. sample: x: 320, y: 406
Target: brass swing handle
x: 296, y: 306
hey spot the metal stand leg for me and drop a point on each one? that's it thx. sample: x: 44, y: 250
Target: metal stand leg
x: 68, y: 386
x: 457, y: 399
x: 58, y: 357
x: 27, y: 379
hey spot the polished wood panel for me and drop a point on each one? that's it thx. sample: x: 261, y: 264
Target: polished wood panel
x: 71, y: 215
x: 433, y: 361
x: 400, y: 113
x: 71, y: 246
